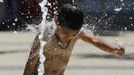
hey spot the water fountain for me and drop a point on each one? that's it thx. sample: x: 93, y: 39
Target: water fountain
x: 45, y: 25
x: 42, y: 42
x: 42, y: 27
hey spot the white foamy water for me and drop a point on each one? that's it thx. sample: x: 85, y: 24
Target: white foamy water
x: 46, y: 28
x: 118, y: 9
x: 121, y: 7
x: 42, y: 42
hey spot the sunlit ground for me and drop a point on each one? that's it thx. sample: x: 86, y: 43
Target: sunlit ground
x: 85, y: 60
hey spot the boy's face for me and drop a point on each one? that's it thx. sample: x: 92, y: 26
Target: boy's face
x: 66, y: 33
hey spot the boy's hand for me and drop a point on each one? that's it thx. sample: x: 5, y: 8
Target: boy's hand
x: 119, y: 51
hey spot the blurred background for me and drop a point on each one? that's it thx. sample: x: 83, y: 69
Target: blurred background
x: 110, y: 19
x: 103, y: 14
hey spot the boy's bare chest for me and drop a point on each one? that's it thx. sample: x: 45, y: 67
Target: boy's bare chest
x: 53, y: 47
x: 56, y: 57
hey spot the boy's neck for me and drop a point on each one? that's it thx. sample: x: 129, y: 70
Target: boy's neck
x: 61, y: 38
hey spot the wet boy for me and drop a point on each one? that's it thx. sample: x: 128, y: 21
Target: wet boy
x: 59, y: 48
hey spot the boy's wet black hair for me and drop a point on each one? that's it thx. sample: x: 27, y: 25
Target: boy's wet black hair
x: 70, y: 16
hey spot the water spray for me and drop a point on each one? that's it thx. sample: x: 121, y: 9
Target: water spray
x: 46, y: 28
x: 42, y: 42
x: 1, y: 1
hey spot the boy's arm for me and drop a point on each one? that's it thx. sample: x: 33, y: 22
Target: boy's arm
x: 32, y: 63
x: 101, y: 43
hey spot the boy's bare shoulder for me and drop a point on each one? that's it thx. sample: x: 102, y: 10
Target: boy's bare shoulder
x: 84, y: 34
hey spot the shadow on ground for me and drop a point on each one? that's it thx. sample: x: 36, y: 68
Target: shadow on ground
x: 129, y: 56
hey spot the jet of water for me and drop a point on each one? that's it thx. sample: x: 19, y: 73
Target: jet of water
x: 42, y: 42
x: 46, y: 28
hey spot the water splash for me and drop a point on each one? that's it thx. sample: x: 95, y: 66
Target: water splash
x: 15, y: 32
x: 16, y: 19
x: 110, y: 18
x: 117, y: 9
x: 1, y: 0
x: 46, y: 28
x: 42, y: 42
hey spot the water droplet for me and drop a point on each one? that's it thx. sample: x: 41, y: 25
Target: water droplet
x: 117, y: 9
x: 131, y: 18
x: 22, y: 13
x: 16, y: 19
x: 15, y: 32
x: 125, y: 28
x: 27, y: 16
x: 13, y: 24
x: 132, y: 24
x: 3, y: 22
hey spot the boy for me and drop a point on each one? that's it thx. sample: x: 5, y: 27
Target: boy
x: 58, y: 50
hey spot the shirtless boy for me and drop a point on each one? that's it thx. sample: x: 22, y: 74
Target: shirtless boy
x: 59, y: 48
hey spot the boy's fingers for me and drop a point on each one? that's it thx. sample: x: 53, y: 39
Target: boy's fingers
x: 119, y: 51
x: 122, y: 50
